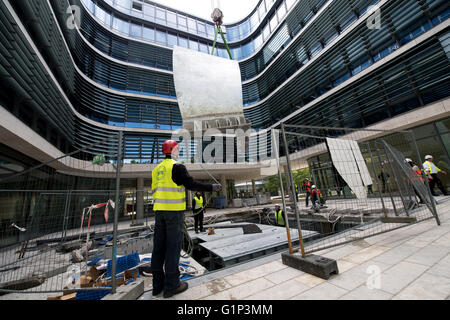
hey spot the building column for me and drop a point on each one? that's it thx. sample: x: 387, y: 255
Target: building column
x: 140, y: 198
x: 254, y: 188
x: 223, y: 182
x: 288, y: 185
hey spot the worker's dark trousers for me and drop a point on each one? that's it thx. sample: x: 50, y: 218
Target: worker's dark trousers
x: 198, y: 219
x: 307, y: 198
x: 436, y: 181
x: 169, y: 231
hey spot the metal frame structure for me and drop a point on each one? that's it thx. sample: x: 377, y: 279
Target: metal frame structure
x: 404, y: 181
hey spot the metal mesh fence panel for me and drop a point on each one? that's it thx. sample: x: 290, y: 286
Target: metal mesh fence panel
x: 58, y: 222
x: 360, y: 183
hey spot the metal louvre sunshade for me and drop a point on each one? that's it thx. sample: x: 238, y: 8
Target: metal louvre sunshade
x: 207, y: 87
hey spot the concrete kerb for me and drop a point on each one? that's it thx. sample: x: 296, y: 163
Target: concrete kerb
x: 131, y: 291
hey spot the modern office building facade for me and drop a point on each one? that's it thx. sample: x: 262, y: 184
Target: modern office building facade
x: 77, y: 71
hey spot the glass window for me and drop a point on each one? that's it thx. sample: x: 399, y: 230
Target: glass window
x: 262, y: 10
x: 281, y: 11
x: 348, y: 21
x: 192, y: 25
x: 149, y: 12
x: 203, y: 47
x: 123, y: 4
x: 254, y: 21
x: 316, y: 49
x: 201, y: 28
x: 193, y: 44
x: 121, y: 25
x: 244, y: 29
x: 289, y: 3
x: 233, y: 33
x: 248, y: 49
x: 172, y: 39
x: 223, y: 53
x: 211, y: 31
x: 136, y: 30
x: 160, y: 14
x: 258, y: 41
x: 149, y: 34
x: 137, y: 6
x: 424, y: 131
x: 236, y: 53
x: 266, y: 32
x: 160, y: 37
x: 273, y: 22
x: 103, y: 16
x: 182, y: 23
x: 90, y: 5
x: 443, y: 126
x: 183, y: 42
x: 171, y: 19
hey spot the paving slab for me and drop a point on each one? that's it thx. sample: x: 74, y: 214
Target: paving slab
x: 284, y: 275
x: 242, y: 291
x: 401, y: 275
x: 442, y: 268
x: 358, y: 275
x: 324, y: 291
x: 364, y: 293
x: 397, y: 254
x: 426, y: 287
x: 428, y: 255
x: 254, y: 273
x: 283, y: 291
x: 309, y: 280
x: 365, y: 254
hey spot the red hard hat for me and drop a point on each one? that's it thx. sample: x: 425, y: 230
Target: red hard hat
x: 168, y: 146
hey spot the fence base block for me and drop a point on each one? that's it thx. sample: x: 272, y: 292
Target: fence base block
x: 312, y: 264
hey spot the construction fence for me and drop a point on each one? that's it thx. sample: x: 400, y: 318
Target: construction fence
x: 60, y: 229
x: 367, y: 182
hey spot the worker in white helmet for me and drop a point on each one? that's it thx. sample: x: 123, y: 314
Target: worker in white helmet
x: 432, y: 172
x: 316, y: 197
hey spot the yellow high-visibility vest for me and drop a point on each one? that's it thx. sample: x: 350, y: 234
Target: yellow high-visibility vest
x: 427, y: 166
x: 167, y: 195
x: 198, y: 203
x: 279, y: 218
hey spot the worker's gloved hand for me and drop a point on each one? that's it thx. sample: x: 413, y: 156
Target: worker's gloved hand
x: 217, y: 187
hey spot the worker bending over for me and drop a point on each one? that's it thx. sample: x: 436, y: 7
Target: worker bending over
x: 317, y: 198
x: 169, y: 183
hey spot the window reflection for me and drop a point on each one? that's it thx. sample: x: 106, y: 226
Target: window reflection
x: 121, y: 25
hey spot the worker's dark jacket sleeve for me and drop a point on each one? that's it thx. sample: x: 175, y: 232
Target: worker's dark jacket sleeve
x: 284, y: 215
x: 181, y: 177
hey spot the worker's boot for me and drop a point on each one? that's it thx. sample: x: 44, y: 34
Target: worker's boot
x: 181, y: 288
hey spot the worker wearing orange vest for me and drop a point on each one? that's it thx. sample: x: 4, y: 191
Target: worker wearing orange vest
x: 419, y: 177
x: 307, y: 188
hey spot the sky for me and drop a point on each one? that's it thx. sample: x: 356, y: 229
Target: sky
x: 233, y: 10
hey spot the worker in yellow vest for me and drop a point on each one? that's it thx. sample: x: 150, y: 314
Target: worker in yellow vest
x: 280, y: 216
x: 432, y: 172
x: 169, y: 183
x: 198, y: 209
